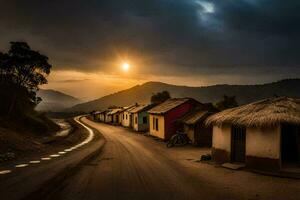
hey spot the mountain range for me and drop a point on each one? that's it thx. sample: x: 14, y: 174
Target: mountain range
x: 244, y: 93
x: 53, y: 100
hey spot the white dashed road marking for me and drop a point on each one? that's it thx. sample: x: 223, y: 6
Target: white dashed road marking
x: 54, y: 155
x: 21, y: 165
x: 5, y: 171
x: 35, y: 161
x: 87, y: 140
x: 46, y: 158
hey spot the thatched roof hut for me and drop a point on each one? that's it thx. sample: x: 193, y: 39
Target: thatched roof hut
x: 264, y: 113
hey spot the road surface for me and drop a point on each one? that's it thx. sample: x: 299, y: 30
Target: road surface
x: 45, y: 170
x: 132, y: 166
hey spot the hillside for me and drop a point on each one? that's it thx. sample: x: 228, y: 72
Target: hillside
x: 55, y: 100
x: 243, y: 93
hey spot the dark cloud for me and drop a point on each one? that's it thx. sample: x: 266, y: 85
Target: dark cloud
x: 181, y: 37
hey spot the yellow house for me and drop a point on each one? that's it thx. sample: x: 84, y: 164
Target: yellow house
x: 162, y: 118
x: 157, y: 125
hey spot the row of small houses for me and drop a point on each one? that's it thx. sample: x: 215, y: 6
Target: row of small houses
x: 164, y: 120
x: 264, y: 135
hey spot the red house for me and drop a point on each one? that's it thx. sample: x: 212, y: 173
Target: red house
x: 163, y: 117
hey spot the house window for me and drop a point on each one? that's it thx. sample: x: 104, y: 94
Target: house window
x: 144, y: 120
x: 153, y: 123
x: 123, y: 116
x: 156, y: 124
x: 126, y: 116
x: 135, y: 119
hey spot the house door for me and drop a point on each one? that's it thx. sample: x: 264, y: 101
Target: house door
x: 290, y: 144
x: 130, y: 120
x: 238, y: 144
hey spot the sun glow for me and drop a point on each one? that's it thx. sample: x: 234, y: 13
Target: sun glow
x: 125, y: 66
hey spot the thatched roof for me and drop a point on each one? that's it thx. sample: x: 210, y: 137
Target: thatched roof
x: 264, y: 113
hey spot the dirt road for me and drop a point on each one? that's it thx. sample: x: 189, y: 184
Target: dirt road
x: 133, y: 166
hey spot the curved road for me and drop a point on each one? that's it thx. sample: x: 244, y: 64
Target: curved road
x: 42, y: 176
x: 132, y: 166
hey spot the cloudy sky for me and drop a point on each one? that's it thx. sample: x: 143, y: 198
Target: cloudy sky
x: 186, y: 42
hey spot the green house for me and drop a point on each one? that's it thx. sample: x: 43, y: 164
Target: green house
x: 141, y: 117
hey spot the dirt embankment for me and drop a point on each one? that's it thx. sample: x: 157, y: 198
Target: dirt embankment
x: 16, y: 144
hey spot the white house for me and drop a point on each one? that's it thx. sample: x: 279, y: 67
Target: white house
x: 127, y: 116
x: 265, y: 135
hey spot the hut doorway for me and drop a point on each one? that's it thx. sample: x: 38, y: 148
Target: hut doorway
x: 238, y: 144
x: 130, y: 120
x: 290, y: 145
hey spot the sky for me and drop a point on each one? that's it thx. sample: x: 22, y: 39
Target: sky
x: 184, y: 42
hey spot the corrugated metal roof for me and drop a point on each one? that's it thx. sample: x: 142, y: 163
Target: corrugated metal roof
x: 104, y: 111
x: 142, y: 108
x: 108, y: 112
x: 168, y: 105
x: 114, y: 111
x: 132, y: 108
x: 195, y: 116
x: 127, y: 108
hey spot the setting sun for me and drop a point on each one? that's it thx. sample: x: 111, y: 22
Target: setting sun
x: 125, y: 66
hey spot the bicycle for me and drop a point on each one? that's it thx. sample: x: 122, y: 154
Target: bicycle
x: 179, y: 139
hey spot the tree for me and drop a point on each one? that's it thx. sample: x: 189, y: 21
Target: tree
x: 227, y: 102
x: 22, y: 71
x: 160, y: 97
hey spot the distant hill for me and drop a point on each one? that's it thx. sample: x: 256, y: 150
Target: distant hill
x: 55, y: 101
x: 244, y: 93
